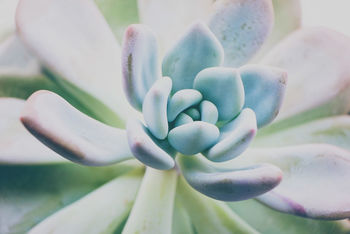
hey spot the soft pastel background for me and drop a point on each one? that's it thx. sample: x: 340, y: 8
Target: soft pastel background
x: 333, y: 14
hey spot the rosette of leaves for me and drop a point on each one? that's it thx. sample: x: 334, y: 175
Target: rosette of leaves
x: 203, y: 91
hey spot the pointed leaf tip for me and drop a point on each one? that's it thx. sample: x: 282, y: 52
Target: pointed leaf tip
x: 196, y: 50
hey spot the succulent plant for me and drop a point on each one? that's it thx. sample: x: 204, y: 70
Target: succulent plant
x: 198, y: 101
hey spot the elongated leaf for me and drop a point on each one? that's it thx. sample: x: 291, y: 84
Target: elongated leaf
x: 316, y: 60
x: 268, y: 221
x: 17, y: 145
x: 73, y: 135
x: 31, y: 193
x: 228, y: 184
x: 288, y: 17
x: 315, y: 179
x: 153, y: 208
x: 333, y: 130
x: 112, y: 202
x: 209, y: 216
x: 78, y: 50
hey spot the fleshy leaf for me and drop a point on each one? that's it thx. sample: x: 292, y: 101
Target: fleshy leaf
x: 181, y: 119
x: 78, y: 51
x: 181, y: 220
x: 147, y: 149
x: 193, y: 113
x: 139, y: 63
x: 175, y: 15
x: 194, y: 137
x: 287, y: 19
x: 242, y: 27
x: 153, y: 208
x: 316, y: 60
x: 31, y: 193
x: 20, y: 73
x: 333, y: 130
x: 235, y: 137
x: 209, y: 112
x: 71, y: 133
x: 17, y: 145
x: 312, y: 174
x: 229, y: 184
x: 209, y: 216
x: 264, y: 89
x: 182, y: 100
x: 196, y: 50
x: 224, y: 88
x: 154, y: 107
x: 266, y: 220
x: 111, y: 205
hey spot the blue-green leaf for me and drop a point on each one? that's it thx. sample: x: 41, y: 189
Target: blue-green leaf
x: 193, y: 137
x: 139, y: 63
x: 242, y: 27
x: 235, y: 137
x: 264, y: 89
x: 196, y: 50
x: 228, y: 184
x: 224, y: 88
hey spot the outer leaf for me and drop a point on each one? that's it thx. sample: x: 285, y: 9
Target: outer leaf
x: 181, y: 220
x: 287, y: 19
x: 71, y: 133
x: 153, y: 208
x: 20, y: 73
x: 210, y: 216
x: 86, y: 62
x: 228, y: 184
x: 319, y: 75
x: 17, y: 145
x: 242, y: 27
x: 29, y: 194
x: 175, y: 15
x: 267, y: 221
x: 314, y: 179
x: 333, y: 130
x: 112, y: 202
x: 139, y: 63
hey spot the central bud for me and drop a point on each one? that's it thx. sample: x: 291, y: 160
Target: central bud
x: 188, y: 118
x: 192, y: 122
